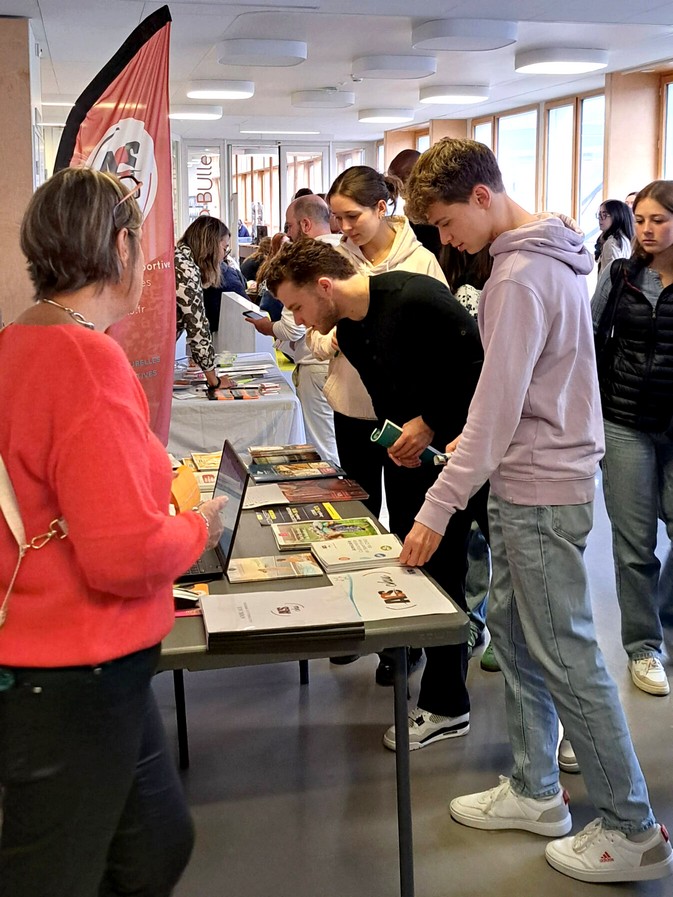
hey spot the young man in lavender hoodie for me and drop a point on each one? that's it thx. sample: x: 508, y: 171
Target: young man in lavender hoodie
x: 534, y: 429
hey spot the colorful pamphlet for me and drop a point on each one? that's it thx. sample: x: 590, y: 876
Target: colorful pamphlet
x: 322, y: 490
x: 326, y: 511
x: 296, y: 535
x: 283, y: 454
x: 207, y: 460
x: 363, y: 553
x: 286, y: 566
x: 296, y: 470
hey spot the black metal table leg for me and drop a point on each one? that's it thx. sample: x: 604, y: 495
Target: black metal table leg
x: 181, y: 718
x: 405, y: 834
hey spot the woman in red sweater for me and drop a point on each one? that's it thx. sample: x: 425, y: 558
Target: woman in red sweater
x: 92, y: 802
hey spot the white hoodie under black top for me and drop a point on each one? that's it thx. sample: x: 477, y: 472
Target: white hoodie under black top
x: 535, y: 426
x: 344, y: 389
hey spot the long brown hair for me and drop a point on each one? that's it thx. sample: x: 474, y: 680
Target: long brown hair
x: 661, y: 192
x: 203, y: 237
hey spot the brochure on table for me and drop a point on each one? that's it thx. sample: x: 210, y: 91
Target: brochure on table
x: 297, y: 610
x: 389, y: 592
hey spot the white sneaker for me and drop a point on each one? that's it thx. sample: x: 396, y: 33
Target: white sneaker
x: 503, y: 808
x: 426, y: 728
x: 567, y: 761
x: 598, y: 854
x: 649, y: 675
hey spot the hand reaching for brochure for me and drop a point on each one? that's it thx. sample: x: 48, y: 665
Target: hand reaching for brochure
x: 416, y: 436
x: 419, y: 546
x: 211, y: 511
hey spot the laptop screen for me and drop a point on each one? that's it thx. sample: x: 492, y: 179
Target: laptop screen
x: 232, y: 478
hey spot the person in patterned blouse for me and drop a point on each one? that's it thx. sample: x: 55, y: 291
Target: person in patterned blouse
x: 198, y: 255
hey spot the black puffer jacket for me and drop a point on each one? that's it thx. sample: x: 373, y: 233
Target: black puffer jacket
x: 636, y: 359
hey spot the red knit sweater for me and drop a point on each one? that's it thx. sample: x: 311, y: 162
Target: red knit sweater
x: 75, y: 438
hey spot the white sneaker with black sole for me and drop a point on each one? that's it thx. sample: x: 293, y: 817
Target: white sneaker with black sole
x: 599, y: 855
x: 502, y: 808
x: 426, y: 728
x: 649, y: 675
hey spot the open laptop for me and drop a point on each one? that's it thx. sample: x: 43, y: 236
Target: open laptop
x: 232, y: 480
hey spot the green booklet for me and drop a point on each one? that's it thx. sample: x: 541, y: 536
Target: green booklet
x: 390, y: 433
x: 296, y: 535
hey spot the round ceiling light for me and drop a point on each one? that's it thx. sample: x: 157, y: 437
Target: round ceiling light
x: 394, y: 67
x: 323, y: 98
x: 454, y: 95
x: 385, y: 116
x: 557, y: 61
x: 463, y: 34
x: 221, y: 90
x: 243, y: 51
x: 195, y: 113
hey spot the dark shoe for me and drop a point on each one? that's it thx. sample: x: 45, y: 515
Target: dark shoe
x: 474, y: 639
x: 385, y: 672
x: 346, y: 658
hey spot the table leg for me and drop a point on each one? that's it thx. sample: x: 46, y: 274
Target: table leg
x: 303, y: 672
x: 405, y: 834
x: 181, y: 718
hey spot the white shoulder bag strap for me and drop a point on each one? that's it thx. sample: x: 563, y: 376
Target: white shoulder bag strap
x: 10, y: 509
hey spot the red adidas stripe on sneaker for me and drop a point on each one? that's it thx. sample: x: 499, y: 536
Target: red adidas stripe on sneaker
x: 606, y: 857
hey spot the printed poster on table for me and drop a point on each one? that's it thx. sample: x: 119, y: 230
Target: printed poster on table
x: 390, y: 592
x: 120, y: 124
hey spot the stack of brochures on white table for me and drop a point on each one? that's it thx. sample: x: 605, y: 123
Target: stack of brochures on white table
x: 362, y: 553
x: 392, y: 592
x: 246, y: 623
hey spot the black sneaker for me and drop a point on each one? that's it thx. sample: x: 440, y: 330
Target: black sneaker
x: 385, y: 672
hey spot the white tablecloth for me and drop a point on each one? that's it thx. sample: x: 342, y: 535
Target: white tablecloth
x: 199, y: 425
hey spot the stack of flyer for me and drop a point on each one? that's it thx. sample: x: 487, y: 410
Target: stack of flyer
x: 296, y: 535
x: 247, y: 623
x: 363, y: 553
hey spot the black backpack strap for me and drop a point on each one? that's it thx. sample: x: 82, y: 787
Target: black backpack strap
x: 604, y: 331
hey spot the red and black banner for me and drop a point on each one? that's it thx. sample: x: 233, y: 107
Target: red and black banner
x: 120, y: 124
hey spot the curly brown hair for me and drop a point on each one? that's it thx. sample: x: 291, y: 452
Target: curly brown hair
x: 304, y: 262
x: 448, y: 172
x: 203, y: 237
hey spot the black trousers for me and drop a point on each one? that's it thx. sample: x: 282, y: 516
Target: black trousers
x: 361, y: 458
x: 93, y: 805
x: 443, y: 688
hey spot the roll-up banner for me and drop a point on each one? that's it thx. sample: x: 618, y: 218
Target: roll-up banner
x: 120, y: 124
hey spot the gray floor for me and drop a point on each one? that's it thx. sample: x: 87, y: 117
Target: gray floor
x: 293, y: 794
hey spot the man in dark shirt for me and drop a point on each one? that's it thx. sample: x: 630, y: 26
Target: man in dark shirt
x: 418, y: 353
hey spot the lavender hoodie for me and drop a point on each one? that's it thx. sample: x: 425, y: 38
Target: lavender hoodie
x: 534, y: 426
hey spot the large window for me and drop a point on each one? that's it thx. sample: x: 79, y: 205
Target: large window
x: 592, y: 139
x: 482, y: 132
x: 667, y: 167
x: 560, y: 159
x: 346, y: 158
x: 517, y: 156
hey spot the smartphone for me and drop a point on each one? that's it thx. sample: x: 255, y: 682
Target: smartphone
x: 255, y: 315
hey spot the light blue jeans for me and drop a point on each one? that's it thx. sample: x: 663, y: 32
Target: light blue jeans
x: 638, y: 488
x: 544, y: 639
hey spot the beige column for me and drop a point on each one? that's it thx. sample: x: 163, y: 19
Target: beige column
x: 447, y: 127
x: 16, y: 162
x: 631, y: 132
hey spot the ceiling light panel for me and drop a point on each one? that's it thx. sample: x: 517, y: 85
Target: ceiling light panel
x: 394, y: 67
x: 221, y: 90
x: 463, y: 35
x: 195, y: 113
x: 559, y: 61
x: 323, y: 98
x: 454, y: 94
x: 385, y: 116
x: 243, y: 51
